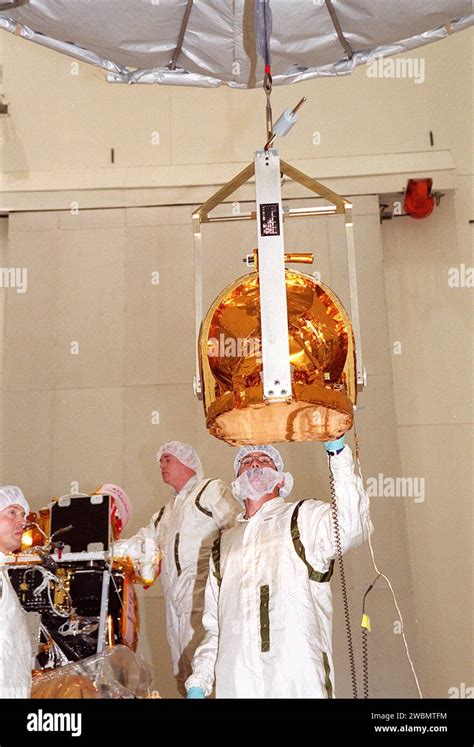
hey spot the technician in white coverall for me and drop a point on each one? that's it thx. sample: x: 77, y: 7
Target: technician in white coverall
x: 268, y: 608
x: 15, y: 646
x: 184, y: 531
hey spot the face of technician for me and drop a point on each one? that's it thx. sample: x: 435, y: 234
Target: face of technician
x: 255, y: 460
x: 174, y: 472
x: 12, y: 524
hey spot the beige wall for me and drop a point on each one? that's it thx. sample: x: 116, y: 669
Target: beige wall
x: 62, y: 124
x: 433, y: 395
x: 87, y: 417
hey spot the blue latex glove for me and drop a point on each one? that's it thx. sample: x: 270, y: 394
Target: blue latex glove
x: 336, y: 446
x: 195, y: 692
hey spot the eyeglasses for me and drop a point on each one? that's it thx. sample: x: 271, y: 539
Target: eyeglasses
x: 262, y: 459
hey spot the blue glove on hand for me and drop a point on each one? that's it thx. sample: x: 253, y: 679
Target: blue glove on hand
x: 195, y: 692
x: 336, y: 446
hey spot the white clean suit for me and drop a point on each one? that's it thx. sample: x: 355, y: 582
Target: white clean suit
x: 15, y: 645
x: 185, y: 530
x: 268, y: 605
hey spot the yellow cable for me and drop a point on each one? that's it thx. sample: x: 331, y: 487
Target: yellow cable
x: 379, y: 573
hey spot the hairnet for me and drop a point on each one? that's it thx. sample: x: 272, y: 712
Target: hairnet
x: 11, y: 495
x: 186, y: 454
x: 121, y: 499
x: 265, y: 449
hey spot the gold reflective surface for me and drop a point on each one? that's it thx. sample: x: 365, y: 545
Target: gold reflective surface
x: 322, y: 365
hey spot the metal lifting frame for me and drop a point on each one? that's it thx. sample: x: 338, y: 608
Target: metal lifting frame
x: 339, y: 206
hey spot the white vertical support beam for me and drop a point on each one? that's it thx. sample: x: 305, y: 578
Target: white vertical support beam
x: 197, y: 299
x: 354, y: 298
x: 271, y: 271
x: 104, y: 610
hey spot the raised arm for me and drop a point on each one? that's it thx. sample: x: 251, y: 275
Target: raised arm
x: 315, y: 518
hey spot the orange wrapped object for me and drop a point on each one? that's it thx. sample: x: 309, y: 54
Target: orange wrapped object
x: 67, y: 686
x: 322, y: 360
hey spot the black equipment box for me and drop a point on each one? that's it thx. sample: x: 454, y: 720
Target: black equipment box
x: 89, y: 518
x: 25, y: 580
x: 85, y: 581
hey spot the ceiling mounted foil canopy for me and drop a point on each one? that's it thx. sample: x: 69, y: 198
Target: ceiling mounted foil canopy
x: 213, y: 42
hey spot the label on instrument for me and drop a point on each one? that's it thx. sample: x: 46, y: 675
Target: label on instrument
x: 270, y: 219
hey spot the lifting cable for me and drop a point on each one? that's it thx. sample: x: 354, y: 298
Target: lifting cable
x: 263, y: 27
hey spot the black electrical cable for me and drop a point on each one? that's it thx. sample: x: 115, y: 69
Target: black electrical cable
x: 365, y: 663
x: 365, y: 630
x: 345, y: 599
